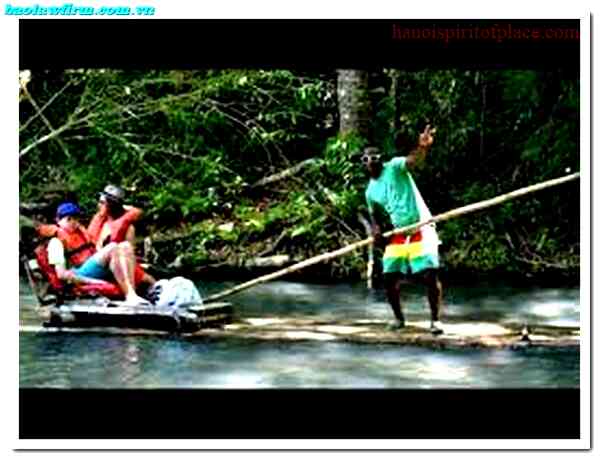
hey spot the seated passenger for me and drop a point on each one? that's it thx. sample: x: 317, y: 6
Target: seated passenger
x: 114, y: 223
x: 76, y: 260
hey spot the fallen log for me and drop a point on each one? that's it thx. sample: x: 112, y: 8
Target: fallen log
x: 268, y: 262
x: 285, y: 173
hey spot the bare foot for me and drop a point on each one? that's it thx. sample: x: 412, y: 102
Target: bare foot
x: 135, y: 300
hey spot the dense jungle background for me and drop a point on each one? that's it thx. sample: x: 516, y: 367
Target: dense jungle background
x: 243, y: 170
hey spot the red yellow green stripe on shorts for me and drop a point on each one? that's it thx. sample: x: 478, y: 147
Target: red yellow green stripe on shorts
x: 410, y: 254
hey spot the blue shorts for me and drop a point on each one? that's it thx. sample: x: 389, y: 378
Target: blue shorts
x: 92, y: 268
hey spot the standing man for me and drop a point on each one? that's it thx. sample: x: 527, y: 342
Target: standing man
x: 394, y: 200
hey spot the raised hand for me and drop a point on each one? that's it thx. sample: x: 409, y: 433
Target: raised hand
x: 426, y: 137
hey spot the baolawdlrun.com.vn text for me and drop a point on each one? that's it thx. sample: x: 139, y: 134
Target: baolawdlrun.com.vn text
x: 68, y: 9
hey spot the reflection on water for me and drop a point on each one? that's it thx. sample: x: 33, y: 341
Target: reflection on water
x: 86, y: 360
x: 112, y: 362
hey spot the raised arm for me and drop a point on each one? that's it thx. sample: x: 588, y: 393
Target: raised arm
x: 131, y: 215
x: 417, y: 156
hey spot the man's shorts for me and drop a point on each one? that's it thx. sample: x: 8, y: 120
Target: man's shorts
x: 411, y: 254
x: 92, y: 268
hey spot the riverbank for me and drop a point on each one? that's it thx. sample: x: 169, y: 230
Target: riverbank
x: 210, y: 257
x: 325, y: 274
x: 232, y: 249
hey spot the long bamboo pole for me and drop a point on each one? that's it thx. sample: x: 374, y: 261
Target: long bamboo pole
x: 438, y: 218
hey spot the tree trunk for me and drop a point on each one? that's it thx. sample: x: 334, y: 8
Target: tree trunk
x: 354, y: 103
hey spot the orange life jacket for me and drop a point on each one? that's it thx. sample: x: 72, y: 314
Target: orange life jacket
x: 78, y: 248
x: 104, y: 288
x: 77, y: 243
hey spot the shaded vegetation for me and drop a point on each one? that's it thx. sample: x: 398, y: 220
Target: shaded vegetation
x: 190, y: 146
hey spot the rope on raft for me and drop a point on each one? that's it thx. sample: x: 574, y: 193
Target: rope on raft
x: 438, y: 218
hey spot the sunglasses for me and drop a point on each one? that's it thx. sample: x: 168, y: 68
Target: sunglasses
x: 370, y: 157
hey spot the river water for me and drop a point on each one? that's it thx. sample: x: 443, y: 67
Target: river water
x: 104, y: 361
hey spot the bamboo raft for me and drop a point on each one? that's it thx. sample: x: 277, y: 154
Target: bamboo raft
x: 102, y: 313
x: 457, y: 335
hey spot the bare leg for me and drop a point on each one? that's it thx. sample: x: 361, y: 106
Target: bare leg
x: 148, y: 279
x: 103, y: 255
x: 119, y: 258
x: 434, y: 294
x: 122, y: 264
x: 392, y: 288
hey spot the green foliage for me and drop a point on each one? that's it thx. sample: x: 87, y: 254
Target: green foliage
x: 342, y: 160
x: 186, y: 144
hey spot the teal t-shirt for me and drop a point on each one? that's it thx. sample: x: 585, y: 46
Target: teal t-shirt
x: 393, y: 192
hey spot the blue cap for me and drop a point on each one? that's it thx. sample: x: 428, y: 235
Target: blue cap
x: 67, y: 209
